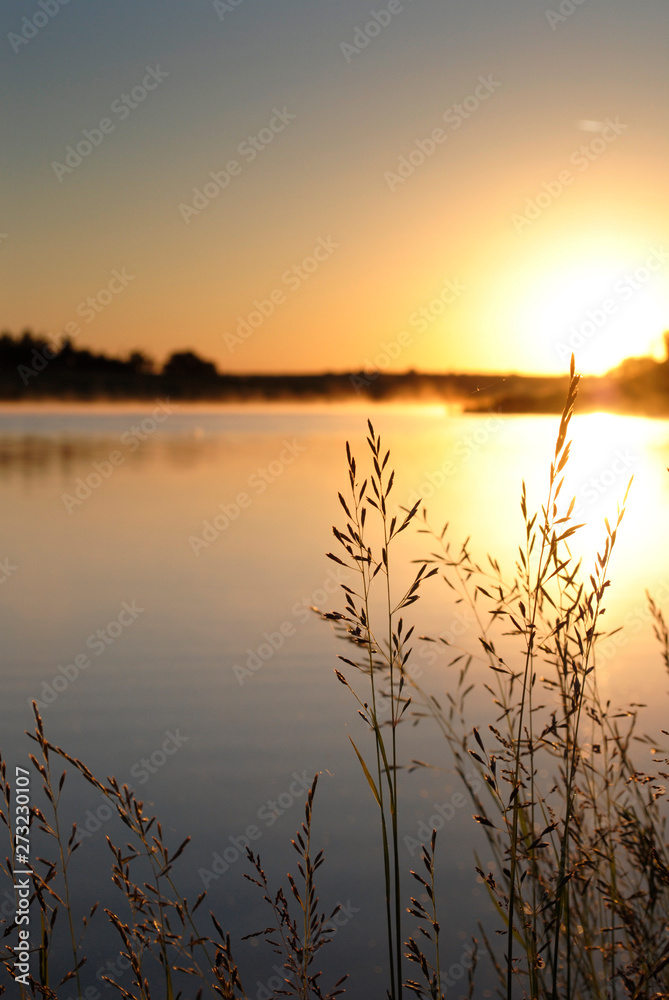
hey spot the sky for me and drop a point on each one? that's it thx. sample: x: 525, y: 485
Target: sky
x: 335, y: 184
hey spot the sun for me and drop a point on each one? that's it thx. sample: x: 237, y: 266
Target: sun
x: 601, y: 310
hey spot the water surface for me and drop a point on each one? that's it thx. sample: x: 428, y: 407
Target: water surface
x: 160, y: 567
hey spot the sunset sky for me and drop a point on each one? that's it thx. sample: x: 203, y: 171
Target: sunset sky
x: 463, y: 185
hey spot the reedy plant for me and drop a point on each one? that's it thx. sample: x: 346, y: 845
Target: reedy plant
x: 51, y: 880
x: 164, y: 948
x: 298, y: 940
x: 581, y: 876
x: 382, y: 654
x: 8, y: 869
x: 434, y: 985
x: 575, y: 853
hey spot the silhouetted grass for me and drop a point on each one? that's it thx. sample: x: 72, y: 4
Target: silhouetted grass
x: 169, y: 955
x: 574, y: 829
x: 580, y: 858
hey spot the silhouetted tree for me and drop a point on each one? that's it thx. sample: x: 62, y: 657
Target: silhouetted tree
x: 188, y: 365
x: 140, y: 363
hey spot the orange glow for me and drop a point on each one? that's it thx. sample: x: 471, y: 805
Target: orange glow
x: 604, y: 310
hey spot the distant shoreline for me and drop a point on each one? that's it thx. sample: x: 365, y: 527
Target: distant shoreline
x: 509, y: 394
x: 37, y: 372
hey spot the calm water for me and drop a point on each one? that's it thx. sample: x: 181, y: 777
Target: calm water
x: 155, y: 592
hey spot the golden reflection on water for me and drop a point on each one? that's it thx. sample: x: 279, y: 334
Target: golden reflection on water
x: 467, y: 470
x: 206, y: 611
x: 470, y: 475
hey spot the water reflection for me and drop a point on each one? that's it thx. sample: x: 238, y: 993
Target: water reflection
x: 209, y: 608
x: 32, y: 456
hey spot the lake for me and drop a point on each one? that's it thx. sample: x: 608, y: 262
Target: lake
x: 157, y: 569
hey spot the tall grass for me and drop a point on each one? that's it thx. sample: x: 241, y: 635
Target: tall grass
x: 576, y: 863
x: 168, y: 954
x: 580, y: 856
x: 380, y: 654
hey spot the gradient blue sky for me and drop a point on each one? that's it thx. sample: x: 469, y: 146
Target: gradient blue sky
x: 528, y: 290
